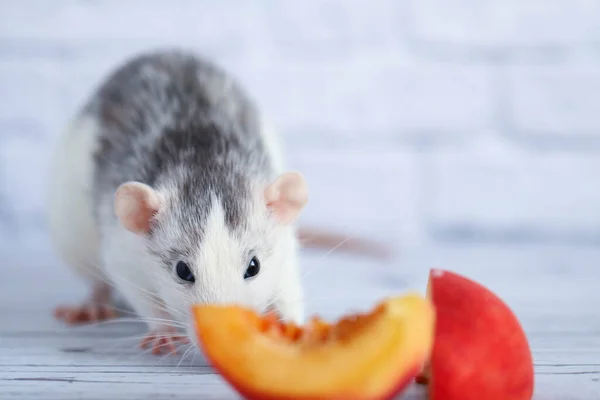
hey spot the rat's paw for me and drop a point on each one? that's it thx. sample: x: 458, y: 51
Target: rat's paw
x: 84, y: 313
x: 163, y: 341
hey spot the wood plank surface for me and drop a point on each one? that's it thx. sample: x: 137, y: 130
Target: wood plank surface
x: 555, y: 291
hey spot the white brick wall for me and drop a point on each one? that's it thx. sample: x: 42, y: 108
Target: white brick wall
x: 495, y: 24
x: 380, y: 99
x: 556, y: 100
x: 419, y: 120
x: 374, y: 194
x: 502, y: 193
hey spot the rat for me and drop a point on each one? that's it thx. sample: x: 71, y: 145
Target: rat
x: 170, y: 187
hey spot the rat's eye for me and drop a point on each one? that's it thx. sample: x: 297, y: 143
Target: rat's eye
x: 252, y: 269
x: 184, y: 272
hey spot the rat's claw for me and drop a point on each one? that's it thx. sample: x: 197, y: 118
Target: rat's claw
x: 84, y: 313
x: 161, y: 341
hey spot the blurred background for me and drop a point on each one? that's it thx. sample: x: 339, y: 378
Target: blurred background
x: 421, y: 123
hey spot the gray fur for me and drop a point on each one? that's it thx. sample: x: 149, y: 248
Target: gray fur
x: 172, y: 118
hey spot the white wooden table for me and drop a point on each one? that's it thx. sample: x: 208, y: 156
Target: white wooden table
x: 554, y: 291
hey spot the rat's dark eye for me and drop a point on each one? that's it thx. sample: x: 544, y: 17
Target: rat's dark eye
x: 184, y: 272
x: 252, y: 269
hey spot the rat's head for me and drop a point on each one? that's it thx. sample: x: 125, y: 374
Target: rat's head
x: 233, y: 243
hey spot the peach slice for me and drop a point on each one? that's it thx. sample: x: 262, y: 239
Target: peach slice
x: 480, y: 349
x: 372, y: 355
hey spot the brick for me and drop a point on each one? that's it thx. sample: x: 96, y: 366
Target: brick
x: 79, y: 22
x: 334, y: 29
x: 24, y: 161
x: 555, y: 100
x: 109, y: 28
x: 335, y: 25
x: 373, y: 100
x: 497, y: 192
x: 509, y: 23
x: 31, y: 93
x: 373, y: 194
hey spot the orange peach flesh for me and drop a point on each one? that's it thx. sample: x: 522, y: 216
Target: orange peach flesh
x: 362, y: 356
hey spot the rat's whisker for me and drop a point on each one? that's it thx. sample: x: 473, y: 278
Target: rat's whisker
x: 116, y: 321
x: 134, y: 348
x: 111, y: 343
x: 304, y: 300
x: 336, y: 247
x: 169, y: 322
x: 153, y: 347
x: 195, y: 354
x: 185, y: 354
x: 279, y: 292
x: 149, y: 296
x: 115, y: 342
x: 157, y: 303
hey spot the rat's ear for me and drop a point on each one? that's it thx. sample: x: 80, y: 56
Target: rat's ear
x: 287, y: 196
x: 135, y: 205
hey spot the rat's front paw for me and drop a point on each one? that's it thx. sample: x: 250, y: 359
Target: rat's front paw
x: 163, y: 340
x: 84, y: 313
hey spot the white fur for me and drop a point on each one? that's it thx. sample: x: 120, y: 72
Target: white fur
x: 273, y: 145
x: 153, y: 290
x: 70, y: 223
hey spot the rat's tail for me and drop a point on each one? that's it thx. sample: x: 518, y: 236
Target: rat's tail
x: 321, y: 239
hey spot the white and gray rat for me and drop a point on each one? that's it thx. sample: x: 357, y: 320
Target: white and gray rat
x: 170, y: 186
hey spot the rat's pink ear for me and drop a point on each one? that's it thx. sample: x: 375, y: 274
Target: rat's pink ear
x: 287, y: 196
x: 135, y: 205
